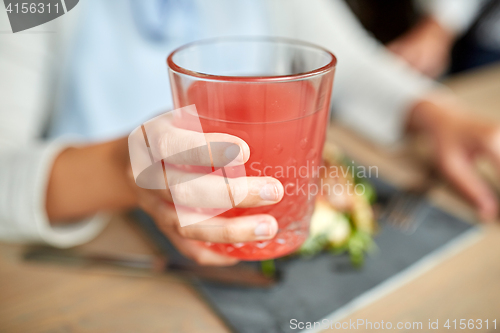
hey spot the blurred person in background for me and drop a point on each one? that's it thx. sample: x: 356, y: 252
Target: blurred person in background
x: 435, y: 36
x: 69, y: 100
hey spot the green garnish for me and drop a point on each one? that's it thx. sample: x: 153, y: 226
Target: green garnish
x: 268, y: 268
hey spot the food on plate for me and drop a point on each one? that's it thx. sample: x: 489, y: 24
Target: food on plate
x: 343, y: 220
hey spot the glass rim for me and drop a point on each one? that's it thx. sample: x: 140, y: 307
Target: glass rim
x: 280, y: 78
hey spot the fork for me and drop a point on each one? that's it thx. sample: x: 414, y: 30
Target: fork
x: 403, y: 207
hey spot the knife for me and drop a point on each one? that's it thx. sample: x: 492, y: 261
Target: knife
x: 238, y: 275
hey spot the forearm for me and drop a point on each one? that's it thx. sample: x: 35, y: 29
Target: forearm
x: 86, y: 180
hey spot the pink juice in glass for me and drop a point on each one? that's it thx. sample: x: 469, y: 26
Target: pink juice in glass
x: 283, y: 119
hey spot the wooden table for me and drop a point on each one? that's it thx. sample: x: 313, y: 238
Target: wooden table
x: 45, y: 298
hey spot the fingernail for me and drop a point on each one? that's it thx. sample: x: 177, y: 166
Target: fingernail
x: 234, y: 154
x: 269, y: 192
x: 263, y: 229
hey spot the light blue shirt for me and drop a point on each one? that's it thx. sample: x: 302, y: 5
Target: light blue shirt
x: 117, y: 75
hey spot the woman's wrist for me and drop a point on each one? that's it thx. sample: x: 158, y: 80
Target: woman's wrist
x: 86, y: 180
x: 431, y: 114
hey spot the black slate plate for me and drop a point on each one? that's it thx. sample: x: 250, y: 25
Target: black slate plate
x: 328, y: 286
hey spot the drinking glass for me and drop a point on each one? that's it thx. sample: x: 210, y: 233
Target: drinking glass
x: 274, y: 93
